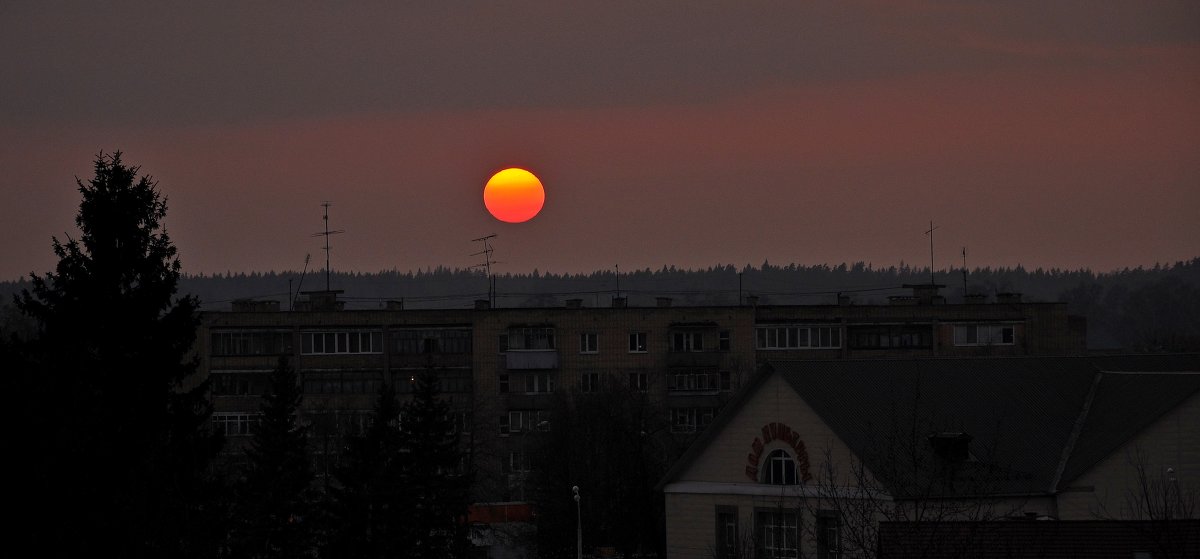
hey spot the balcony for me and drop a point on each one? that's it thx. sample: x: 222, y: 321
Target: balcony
x: 527, y: 359
x: 695, y: 359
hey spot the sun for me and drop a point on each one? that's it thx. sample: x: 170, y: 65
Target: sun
x: 514, y: 195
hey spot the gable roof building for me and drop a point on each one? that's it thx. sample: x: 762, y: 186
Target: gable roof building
x: 811, y: 449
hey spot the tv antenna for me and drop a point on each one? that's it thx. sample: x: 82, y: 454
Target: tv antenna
x: 930, y: 233
x: 964, y: 270
x: 326, y: 234
x: 300, y: 285
x: 487, y: 265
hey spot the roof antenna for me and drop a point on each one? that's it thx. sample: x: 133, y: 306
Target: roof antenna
x: 487, y: 265
x: 299, y: 285
x: 964, y: 271
x: 930, y: 233
x: 326, y: 234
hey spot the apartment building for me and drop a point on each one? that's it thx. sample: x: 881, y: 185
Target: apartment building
x: 500, y: 367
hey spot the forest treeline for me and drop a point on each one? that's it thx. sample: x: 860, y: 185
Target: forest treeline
x: 1124, y: 308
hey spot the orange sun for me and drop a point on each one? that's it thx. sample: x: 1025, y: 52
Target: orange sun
x: 514, y: 195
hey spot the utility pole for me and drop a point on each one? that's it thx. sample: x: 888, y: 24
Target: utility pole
x: 326, y: 234
x: 578, y: 525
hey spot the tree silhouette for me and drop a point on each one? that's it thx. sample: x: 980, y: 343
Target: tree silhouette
x: 440, y: 490
x: 120, y: 461
x: 272, y: 508
x: 371, y: 503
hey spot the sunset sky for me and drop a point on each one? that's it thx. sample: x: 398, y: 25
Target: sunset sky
x: 1047, y: 134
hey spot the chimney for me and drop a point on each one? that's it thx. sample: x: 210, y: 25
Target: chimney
x: 1008, y: 298
x: 752, y: 300
x: 926, y: 293
x: 324, y: 301
x: 574, y: 303
x: 482, y: 304
x: 663, y: 302
x: 394, y: 305
x: 619, y: 302
x: 843, y: 300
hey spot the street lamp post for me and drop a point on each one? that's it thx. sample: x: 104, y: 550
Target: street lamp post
x: 578, y: 525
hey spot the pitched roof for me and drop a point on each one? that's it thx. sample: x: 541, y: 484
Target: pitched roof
x: 1026, y: 415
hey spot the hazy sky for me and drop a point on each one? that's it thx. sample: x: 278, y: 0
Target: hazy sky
x: 1052, y: 134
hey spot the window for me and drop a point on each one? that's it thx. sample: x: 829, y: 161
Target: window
x: 691, y: 381
x: 251, y: 343
x: 723, y: 340
x: 779, y: 468
x: 530, y: 339
x: 238, y: 384
x: 503, y: 381
x: 638, y: 382
x: 727, y: 532
x: 235, y: 424
x: 984, y: 334
x: 530, y: 420
x: 880, y: 337
x: 318, y: 343
x: 589, y: 343
x: 590, y: 382
x: 461, y: 421
x: 637, y: 342
x: 539, y: 383
x: 726, y: 381
x: 687, y: 341
x: 829, y: 535
x: 503, y: 343
x: 349, y: 383
x: 431, y: 340
x: 518, y: 462
x: 777, y: 533
x: 689, y: 420
x: 799, y: 337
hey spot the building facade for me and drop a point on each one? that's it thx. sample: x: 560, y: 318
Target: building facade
x: 500, y: 368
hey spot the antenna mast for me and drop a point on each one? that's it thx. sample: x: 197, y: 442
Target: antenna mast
x: 326, y: 234
x: 487, y: 265
x: 930, y: 233
x: 964, y: 271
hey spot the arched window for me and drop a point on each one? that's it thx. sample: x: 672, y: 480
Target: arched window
x: 779, y: 468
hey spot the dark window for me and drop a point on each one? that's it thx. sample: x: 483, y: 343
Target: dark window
x: 726, y: 381
x: 779, y: 468
x: 590, y: 382
x: 637, y: 342
x: 723, y: 340
x: 727, y: 532
x: 777, y: 534
x: 829, y: 535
